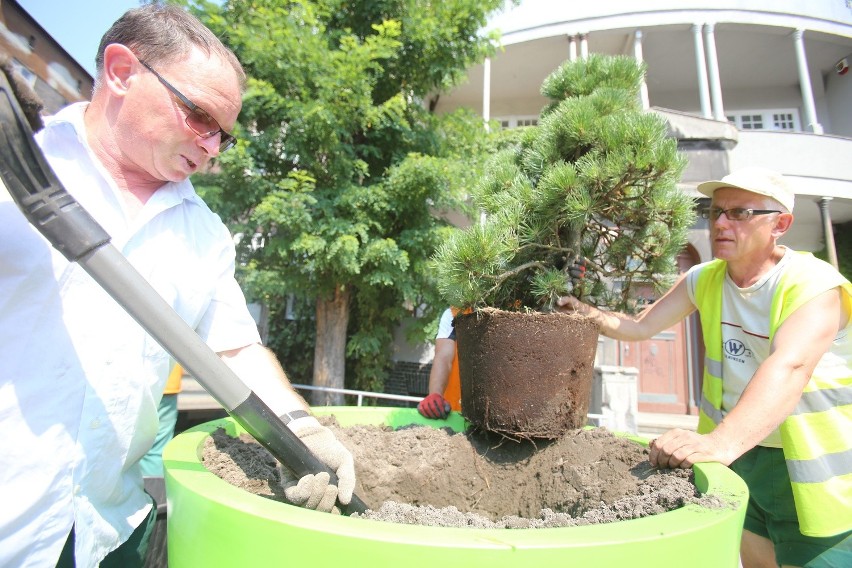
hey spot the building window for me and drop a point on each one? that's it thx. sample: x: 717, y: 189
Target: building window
x: 517, y: 121
x: 751, y: 122
x: 773, y: 119
x: 24, y: 72
x: 783, y: 121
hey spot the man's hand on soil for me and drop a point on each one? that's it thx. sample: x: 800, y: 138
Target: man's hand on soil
x: 683, y: 448
x: 311, y: 491
x: 434, y: 406
x: 315, y: 491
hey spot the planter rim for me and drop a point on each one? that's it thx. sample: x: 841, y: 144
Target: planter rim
x: 184, y: 468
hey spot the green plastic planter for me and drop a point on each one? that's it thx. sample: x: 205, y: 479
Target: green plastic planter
x: 212, y: 523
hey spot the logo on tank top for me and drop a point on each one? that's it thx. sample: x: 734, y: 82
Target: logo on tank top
x: 736, y: 350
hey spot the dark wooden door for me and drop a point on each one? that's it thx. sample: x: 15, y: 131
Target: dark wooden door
x: 661, y: 361
x: 670, y: 363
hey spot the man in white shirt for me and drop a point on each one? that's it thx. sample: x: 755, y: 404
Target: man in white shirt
x: 80, y: 380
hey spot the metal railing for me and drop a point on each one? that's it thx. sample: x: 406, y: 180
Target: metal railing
x: 360, y: 394
x: 194, y: 397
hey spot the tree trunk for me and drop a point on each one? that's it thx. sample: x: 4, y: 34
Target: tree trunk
x: 330, y: 349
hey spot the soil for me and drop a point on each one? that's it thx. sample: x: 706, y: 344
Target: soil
x: 428, y: 476
x: 526, y: 374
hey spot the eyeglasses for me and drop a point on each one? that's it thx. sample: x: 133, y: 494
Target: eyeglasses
x: 198, y: 120
x: 734, y: 214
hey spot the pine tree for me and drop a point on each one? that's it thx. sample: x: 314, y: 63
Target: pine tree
x: 596, y: 178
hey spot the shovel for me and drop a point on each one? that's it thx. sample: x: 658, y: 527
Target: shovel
x: 76, y: 234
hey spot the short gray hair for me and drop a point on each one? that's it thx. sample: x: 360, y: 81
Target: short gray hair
x: 163, y: 33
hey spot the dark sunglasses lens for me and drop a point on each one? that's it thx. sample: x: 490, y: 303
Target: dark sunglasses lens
x: 227, y: 142
x: 202, y: 123
x: 206, y: 126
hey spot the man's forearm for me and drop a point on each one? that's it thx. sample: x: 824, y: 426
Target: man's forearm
x: 439, y: 377
x: 770, y: 397
x: 260, y: 370
x: 611, y: 324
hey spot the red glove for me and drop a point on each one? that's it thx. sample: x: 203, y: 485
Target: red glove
x: 578, y: 269
x: 434, y: 406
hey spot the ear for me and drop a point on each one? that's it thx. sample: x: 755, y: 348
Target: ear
x: 782, y: 224
x: 119, y: 67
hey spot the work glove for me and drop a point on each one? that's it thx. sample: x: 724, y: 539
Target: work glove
x: 434, y: 406
x: 313, y: 491
x: 577, y: 272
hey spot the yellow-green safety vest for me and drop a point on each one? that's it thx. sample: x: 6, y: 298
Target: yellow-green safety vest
x: 817, y: 436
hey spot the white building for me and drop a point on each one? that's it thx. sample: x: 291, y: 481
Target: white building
x: 741, y: 83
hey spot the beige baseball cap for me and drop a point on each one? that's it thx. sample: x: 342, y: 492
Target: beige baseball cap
x: 756, y: 180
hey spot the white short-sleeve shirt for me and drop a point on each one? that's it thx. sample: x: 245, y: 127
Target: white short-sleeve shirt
x: 745, y: 332
x: 445, y: 326
x: 80, y: 380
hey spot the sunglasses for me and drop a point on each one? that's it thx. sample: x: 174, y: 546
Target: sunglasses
x: 735, y: 214
x: 198, y: 120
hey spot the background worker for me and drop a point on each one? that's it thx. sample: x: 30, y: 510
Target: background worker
x: 444, y: 383
x: 80, y: 380
x: 167, y: 412
x: 777, y: 393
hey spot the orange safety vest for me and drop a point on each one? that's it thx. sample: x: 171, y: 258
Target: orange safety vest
x: 453, y: 391
x: 173, y: 382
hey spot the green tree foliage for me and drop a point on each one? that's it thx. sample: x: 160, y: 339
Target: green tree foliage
x: 596, y: 178
x: 341, y: 168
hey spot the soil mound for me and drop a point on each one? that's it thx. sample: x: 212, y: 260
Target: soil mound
x: 427, y: 476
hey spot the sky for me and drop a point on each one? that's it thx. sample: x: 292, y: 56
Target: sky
x: 78, y: 24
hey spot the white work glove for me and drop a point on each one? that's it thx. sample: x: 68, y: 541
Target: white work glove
x: 313, y: 491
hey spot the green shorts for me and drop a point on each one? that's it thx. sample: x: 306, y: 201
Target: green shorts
x: 771, y: 514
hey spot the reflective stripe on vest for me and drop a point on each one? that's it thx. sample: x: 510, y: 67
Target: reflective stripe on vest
x: 815, y: 439
x: 708, y: 294
x: 819, y: 469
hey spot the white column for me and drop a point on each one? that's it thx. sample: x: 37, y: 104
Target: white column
x: 713, y: 71
x: 827, y: 230
x: 572, y: 48
x: 637, y: 53
x: 584, y: 46
x: 486, y: 91
x: 701, y: 65
x: 805, y: 83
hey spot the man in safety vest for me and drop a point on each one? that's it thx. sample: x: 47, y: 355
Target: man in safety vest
x: 777, y: 387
